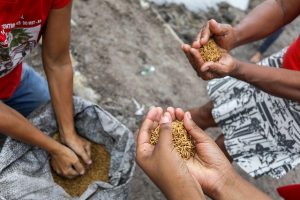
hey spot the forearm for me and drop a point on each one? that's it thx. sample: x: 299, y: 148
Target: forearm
x: 182, y: 189
x: 58, y: 67
x: 265, y: 19
x: 239, y: 189
x: 60, y: 80
x: 276, y: 81
x: 16, y: 126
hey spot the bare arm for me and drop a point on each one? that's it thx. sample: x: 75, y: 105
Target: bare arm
x: 58, y: 66
x: 279, y: 82
x: 59, y: 71
x: 13, y: 124
x: 238, y: 189
x: 265, y: 19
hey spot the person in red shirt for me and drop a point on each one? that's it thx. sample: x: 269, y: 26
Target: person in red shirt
x: 22, y: 24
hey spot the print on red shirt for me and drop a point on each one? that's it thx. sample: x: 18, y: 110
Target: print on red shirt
x: 16, y: 44
x: 21, y: 23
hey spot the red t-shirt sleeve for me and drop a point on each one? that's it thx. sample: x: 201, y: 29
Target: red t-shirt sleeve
x: 291, y: 59
x: 59, y: 3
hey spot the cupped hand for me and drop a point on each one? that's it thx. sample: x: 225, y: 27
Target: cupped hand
x: 223, y: 34
x: 79, y: 145
x: 65, y: 163
x: 162, y: 160
x: 162, y: 163
x: 226, y: 66
x: 209, y: 166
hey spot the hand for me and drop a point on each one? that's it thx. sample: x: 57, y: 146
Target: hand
x: 223, y: 34
x: 65, y: 163
x: 79, y: 145
x: 226, y: 66
x: 209, y: 166
x: 162, y: 163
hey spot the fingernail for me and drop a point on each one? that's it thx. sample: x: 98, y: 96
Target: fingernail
x: 205, y: 68
x: 188, y: 114
x: 82, y: 172
x: 90, y: 162
x: 165, y: 119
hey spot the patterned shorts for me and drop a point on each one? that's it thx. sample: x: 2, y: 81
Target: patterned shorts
x: 262, y: 132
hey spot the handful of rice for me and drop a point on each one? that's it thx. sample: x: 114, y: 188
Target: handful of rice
x: 210, y: 51
x: 183, y: 142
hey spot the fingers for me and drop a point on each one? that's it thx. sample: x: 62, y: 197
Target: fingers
x: 165, y: 134
x: 197, y: 133
x: 154, y: 114
x: 72, y: 173
x: 198, y: 61
x: 85, y: 157
x: 186, y: 49
x: 196, y: 44
x: 68, y: 172
x: 87, y: 149
x: 206, y: 66
x: 144, y: 134
x: 205, y: 34
x: 211, y: 70
x: 215, y: 69
x: 179, y: 114
x: 171, y: 110
x: 78, y: 167
x: 176, y: 114
x: 216, y: 28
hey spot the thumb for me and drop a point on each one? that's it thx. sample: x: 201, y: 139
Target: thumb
x: 165, y: 133
x: 206, y: 66
x: 216, y: 68
x: 79, y: 167
x: 219, y: 69
x: 197, y: 133
x: 216, y: 28
x: 85, y: 157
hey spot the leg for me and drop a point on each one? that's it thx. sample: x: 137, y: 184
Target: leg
x: 256, y: 57
x: 30, y: 94
x: 270, y: 40
x: 203, y: 117
x: 220, y: 143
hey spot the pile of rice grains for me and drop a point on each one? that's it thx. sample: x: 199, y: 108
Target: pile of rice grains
x: 97, y: 171
x: 210, y: 51
x: 183, y: 142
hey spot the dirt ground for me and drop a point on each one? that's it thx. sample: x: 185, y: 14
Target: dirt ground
x: 115, y: 42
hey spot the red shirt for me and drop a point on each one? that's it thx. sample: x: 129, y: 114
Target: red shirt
x: 291, y: 59
x: 21, y: 23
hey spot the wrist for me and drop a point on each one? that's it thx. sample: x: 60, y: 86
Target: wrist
x: 54, y: 147
x: 184, y: 189
x: 228, y: 187
x: 236, y: 35
x: 66, y: 129
x: 237, y: 66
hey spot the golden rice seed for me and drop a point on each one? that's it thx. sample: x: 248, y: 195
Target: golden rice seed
x: 210, y: 51
x: 182, y: 140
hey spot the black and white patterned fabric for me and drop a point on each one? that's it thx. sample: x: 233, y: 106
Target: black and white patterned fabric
x: 262, y: 132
